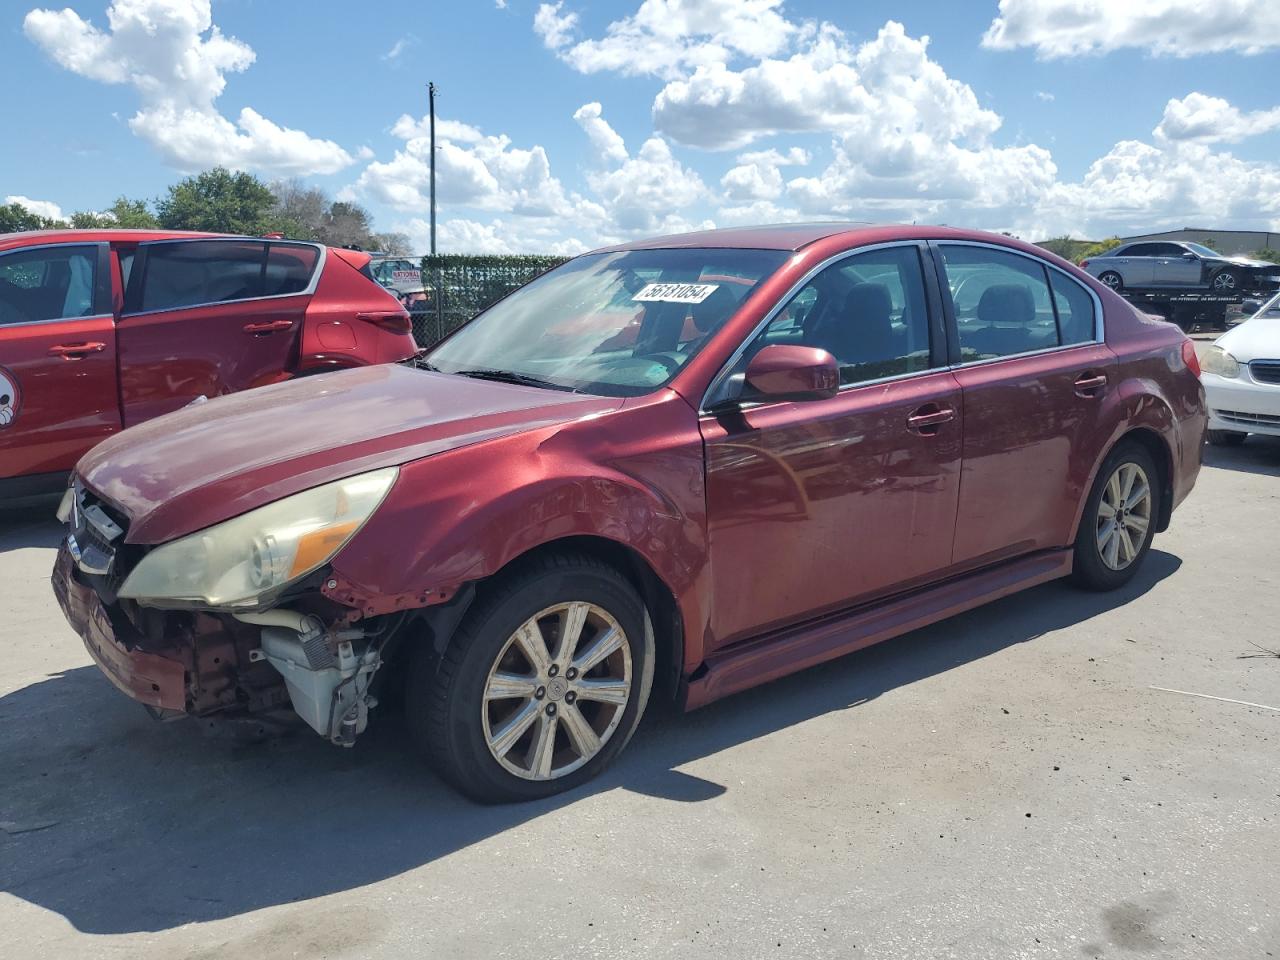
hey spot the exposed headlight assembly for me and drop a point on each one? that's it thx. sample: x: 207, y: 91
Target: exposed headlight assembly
x: 1218, y: 361
x: 232, y: 564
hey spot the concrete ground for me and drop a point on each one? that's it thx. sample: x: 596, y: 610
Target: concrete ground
x: 1005, y: 784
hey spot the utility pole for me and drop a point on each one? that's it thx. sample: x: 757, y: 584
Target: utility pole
x: 431, y: 97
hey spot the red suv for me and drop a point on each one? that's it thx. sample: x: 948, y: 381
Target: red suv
x: 694, y: 464
x: 103, y: 329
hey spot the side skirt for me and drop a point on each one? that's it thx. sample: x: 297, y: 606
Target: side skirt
x: 775, y: 655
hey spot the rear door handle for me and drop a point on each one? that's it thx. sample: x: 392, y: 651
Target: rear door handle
x: 1090, y: 385
x: 270, y: 326
x: 74, y: 351
x: 927, y: 419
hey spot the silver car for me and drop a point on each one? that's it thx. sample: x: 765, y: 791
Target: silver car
x: 1147, y: 264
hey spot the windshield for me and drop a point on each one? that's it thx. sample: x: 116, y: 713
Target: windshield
x: 1271, y: 308
x: 618, y: 324
x: 1202, y: 250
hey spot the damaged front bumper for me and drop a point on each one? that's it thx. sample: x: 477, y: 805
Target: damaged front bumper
x: 204, y: 664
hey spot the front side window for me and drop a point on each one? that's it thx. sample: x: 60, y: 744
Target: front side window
x: 48, y: 283
x: 1002, y: 302
x: 618, y: 324
x: 868, y: 311
x: 199, y: 272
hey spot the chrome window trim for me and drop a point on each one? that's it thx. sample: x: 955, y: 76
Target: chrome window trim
x: 98, y: 244
x: 1099, y: 315
x: 725, y: 371
x: 309, y: 291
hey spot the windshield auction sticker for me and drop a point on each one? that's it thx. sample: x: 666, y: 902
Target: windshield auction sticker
x: 676, y: 292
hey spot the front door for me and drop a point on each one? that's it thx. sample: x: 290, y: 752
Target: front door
x: 821, y: 505
x: 210, y: 317
x: 58, y: 393
x: 1033, y: 373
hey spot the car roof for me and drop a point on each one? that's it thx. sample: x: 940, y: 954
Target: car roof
x: 796, y: 236
x: 29, y: 238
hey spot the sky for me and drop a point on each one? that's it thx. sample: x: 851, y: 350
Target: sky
x: 567, y: 125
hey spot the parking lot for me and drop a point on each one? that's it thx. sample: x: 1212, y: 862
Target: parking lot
x: 1004, y: 784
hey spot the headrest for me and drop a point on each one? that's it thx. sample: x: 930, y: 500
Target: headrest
x: 868, y: 302
x: 1007, y: 303
x: 713, y: 311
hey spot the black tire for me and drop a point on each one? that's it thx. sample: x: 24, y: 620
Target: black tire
x: 1226, y: 438
x: 1112, y: 280
x: 1225, y: 281
x: 444, y: 699
x: 1090, y: 571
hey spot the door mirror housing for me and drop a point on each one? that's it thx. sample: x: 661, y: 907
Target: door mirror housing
x: 1188, y: 255
x: 788, y: 372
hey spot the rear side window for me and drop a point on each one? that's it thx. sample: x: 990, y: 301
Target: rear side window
x: 1003, y: 305
x: 198, y: 272
x: 1138, y: 250
x: 49, y: 283
x: 1077, y: 320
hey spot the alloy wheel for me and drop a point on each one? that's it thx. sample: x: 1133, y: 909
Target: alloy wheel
x: 557, y: 691
x: 1124, y: 516
x: 1112, y: 280
x: 1225, y: 282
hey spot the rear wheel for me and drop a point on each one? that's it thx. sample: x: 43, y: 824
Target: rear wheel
x: 1226, y: 438
x: 1119, y: 519
x: 1112, y: 280
x: 542, y: 685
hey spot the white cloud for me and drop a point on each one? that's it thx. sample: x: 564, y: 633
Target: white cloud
x: 1138, y: 187
x: 665, y: 37
x: 1045, y: 95
x: 1207, y: 119
x: 400, y: 46
x: 41, y: 208
x: 1181, y: 28
x: 176, y: 59
x: 607, y: 143
x: 758, y: 175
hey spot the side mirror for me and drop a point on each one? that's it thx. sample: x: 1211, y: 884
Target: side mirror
x: 1189, y: 256
x: 787, y: 372
x: 1250, y: 307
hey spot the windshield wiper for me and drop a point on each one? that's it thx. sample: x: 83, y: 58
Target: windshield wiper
x: 510, y: 376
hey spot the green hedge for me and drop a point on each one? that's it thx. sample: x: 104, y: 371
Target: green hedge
x: 464, y: 284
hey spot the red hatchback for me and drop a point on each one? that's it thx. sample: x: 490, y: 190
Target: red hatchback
x: 694, y: 463
x: 103, y: 329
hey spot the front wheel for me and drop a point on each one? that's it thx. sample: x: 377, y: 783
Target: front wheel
x: 1225, y: 281
x: 542, y: 685
x: 1119, y: 520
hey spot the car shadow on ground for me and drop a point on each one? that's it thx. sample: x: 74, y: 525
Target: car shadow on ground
x: 29, y: 522
x: 132, y: 825
x: 1258, y: 454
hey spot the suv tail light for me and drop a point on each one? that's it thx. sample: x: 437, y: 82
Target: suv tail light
x: 1189, y: 357
x: 1083, y: 264
x: 396, y: 321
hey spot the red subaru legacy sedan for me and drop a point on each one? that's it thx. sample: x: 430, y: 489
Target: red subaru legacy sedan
x: 103, y: 329
x: 690, y: 464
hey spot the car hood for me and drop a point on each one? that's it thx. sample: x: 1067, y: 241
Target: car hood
x: 1250, y: 262
x: 1258, y: 338
x: 212, y: 461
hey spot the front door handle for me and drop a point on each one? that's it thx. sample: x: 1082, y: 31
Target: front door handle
x: 74, y: 351
x: 1090, y: 384
x: 927, y: 419
x: 270, y: 326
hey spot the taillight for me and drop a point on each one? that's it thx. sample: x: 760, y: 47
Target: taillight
x: 396, y: 321
x: 1083, y: 264
x: 1189, y: 357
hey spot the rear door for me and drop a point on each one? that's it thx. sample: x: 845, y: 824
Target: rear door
x: 57, y: 356
x: 211, y: 317
x: 1136, y: 264
x: 1033, y: 370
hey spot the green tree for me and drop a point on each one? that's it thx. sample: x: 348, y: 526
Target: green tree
x: 299, y: 211
x: 133, y: 214
x: 218, y: 201
x: 1266, y: 253
x: 15, y: 218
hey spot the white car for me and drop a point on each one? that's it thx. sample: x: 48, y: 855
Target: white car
x: 1242, y: 378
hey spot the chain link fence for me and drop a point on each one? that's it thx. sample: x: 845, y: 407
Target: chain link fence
x: 462, y: 285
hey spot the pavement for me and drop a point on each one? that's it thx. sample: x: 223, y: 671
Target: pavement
x: 1006, y: 784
